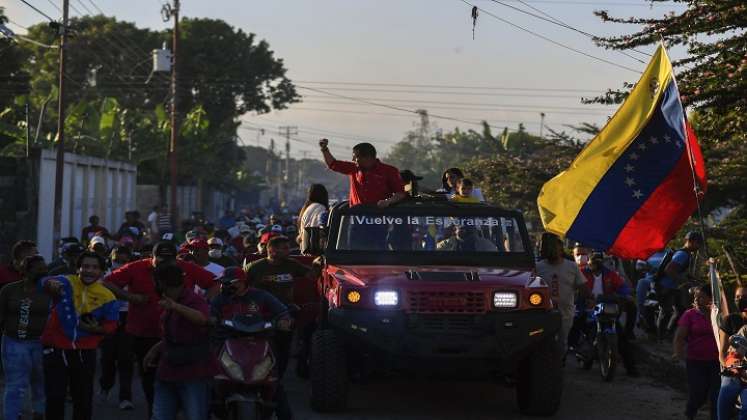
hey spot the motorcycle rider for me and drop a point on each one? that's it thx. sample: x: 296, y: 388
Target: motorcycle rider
x: 676, y: 276
x: 604, y: 285
x: 238, y: 298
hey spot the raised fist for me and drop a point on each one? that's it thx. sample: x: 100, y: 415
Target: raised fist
x: 323, y: 143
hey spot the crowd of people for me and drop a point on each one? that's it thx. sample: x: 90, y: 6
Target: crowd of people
x: 149, y: 296
x: 140, y: 299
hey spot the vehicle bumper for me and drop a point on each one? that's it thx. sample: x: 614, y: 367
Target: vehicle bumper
x: 499, y: 337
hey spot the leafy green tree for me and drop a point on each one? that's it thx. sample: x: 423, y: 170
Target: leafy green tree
x: 712, y: 82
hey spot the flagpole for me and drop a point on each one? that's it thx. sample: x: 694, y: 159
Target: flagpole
x: 691, y: 161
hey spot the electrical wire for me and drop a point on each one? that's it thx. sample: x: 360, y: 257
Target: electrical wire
x: 562, y: 24
x: 393, y: 107
x: 37, y: 10
x: 552, y: 41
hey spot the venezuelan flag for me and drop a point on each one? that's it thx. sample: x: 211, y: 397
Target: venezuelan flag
x: 633, y: 186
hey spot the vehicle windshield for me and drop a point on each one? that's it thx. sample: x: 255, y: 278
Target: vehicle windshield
x: 453, y: 234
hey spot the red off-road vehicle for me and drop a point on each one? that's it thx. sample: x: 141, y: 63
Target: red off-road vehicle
x: 434, y: 286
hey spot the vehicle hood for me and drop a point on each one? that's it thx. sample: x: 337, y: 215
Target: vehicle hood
x: 392, y: 275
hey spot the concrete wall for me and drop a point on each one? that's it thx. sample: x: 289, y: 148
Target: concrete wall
x: 91, y: 185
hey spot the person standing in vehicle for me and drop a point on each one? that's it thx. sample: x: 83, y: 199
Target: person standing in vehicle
x: 313, y: 215
x: 695, y: 333
x: 464, y: 190
x: 184, y: 364
x: 84, y: 311
x: 564, y: 279
x: 371, y: 181
x: 603, y: 283
x: 449, y: 182
x: 676, y: 276
x: 24, y: 309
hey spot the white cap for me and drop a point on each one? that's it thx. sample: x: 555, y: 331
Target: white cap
x: 215, y: 241
x: 277, y: 228
x: 98, y: 240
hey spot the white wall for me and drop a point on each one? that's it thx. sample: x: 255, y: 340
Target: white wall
x: 90, y: 186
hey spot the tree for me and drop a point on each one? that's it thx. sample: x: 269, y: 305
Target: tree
x: 117, y: 108
x: 712, y: 82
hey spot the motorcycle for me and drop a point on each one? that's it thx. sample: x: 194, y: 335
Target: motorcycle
x: 598, y: 337
x: 246, y: 386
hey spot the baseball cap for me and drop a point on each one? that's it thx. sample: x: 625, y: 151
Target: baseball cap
x: 198, y: 244
x: 277, y: 229
x: 191, y: 235
x: 164, y: 249
x: 72, y: 248
x: 98, y: 240
x: 267, y: 236
x: 215, y: 241
x: 232, y: 275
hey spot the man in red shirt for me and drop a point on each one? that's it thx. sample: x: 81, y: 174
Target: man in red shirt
x: 143, y: 321
x: 371, y: 182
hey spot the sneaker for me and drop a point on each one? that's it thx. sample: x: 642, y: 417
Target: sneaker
x: 126, y: 405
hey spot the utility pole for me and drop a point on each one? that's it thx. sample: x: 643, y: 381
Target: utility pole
x: 542, y: 124
x: 174, y: 208
x: 60, y: 161
x: 287, y: 131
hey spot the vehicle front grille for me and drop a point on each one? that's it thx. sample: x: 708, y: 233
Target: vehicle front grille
x: 432, y: 302
x: 445, y: 324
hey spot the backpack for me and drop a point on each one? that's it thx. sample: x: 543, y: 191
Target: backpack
x: 662, y: 269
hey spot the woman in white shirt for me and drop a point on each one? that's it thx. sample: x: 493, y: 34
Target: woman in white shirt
x: 313, y: 215
x: 449, y: 183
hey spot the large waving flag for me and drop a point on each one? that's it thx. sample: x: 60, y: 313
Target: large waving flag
x: 633, y: 186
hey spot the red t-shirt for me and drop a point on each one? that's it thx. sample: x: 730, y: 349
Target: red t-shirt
x: 143, y: 320
x: 184, y: 332
x: 701, y: 343
x: 8, y: 275
x: 368, y: 187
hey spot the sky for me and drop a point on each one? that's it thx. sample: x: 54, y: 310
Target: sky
x: 411, y: 54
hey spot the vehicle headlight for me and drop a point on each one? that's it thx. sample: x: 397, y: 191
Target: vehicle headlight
x: 505, y: 300
x: 262, y: 369
x: 386, y: 298
x: 232, y: 368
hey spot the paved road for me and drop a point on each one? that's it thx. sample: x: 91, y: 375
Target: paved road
x: 585, y: 397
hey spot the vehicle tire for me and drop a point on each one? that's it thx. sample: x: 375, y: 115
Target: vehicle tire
x: 244, y: 411
x: 328, y: 372
x: 539, y: 383
x: 607, y: 348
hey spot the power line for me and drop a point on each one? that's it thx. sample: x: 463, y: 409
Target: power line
x: 587, y: 3
x: 552, y: 41
x: 562, y: 24
x: 393, y: 107
x: 37, y: 10
x: 415, y: 101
